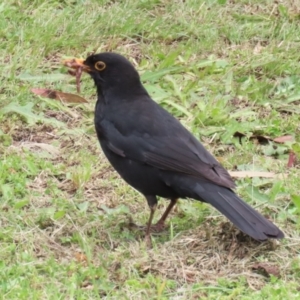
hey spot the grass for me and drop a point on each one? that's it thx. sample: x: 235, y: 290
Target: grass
x: 221, y: 67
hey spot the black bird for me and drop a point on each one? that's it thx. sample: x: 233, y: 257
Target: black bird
x: 155, y: 154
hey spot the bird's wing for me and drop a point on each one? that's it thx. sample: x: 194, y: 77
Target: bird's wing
x: 177, y: 153
x: 173, y: 155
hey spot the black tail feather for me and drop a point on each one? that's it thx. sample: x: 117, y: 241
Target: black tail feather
x: 241, y: 214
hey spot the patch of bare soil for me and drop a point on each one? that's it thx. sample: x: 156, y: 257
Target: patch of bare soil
x: 40, y: 133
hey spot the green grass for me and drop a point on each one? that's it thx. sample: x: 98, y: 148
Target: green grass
x: 220, y: 67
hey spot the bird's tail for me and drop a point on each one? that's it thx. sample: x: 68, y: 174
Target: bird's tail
x: 240, y: 213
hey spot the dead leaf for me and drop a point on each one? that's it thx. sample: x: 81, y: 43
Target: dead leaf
x: 145, y: 269
x: 61, y: 96
x: 292, y: 159
x: 80, y: 257
x: 257, y: 49
x: 250, y: 174
x: 264, y: 139
x: 283, y: 139
x: 267, y: 269
x: 261, y: 139
x: 87, y: 285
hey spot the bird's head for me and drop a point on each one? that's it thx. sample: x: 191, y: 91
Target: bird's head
x: 112, y: 73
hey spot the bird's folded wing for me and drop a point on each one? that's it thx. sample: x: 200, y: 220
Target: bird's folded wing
x: 170, y: 154
x: 178, y: 157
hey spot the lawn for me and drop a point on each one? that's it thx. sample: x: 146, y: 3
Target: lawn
x: 228, y: 70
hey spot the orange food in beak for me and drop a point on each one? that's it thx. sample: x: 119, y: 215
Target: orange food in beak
x: 76, y: 63
x: 79, y: 66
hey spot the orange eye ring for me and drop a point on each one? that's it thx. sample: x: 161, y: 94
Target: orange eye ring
x: 100, y: 65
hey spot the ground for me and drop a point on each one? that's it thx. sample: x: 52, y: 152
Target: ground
x: 228, y: 70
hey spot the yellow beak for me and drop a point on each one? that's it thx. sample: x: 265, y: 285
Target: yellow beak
x: 76, y: 63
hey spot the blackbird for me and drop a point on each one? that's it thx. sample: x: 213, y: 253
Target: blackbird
x: 155, y: 153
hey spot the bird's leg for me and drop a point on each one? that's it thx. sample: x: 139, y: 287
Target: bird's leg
x: 160, y: 225
x: 148, y: 228
x: 152, y: 202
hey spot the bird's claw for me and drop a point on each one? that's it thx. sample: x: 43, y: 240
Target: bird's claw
x: 156, y: 228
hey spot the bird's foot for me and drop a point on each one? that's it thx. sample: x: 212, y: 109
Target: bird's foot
x: 156, y: 228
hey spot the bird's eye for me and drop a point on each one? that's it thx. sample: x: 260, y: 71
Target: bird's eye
x: 100, y: 65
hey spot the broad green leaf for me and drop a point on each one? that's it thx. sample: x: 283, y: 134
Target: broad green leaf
x: 228, y: 83
x: 155, y: 75
x: 296, y: 200
x: 178, y: 107
x: 42, y: 77
x: 59, y: 214
x: 242, y: 113
x: 83, y: 206
x: 296, y: 148
x: 156, y: 92
x: 21, y: 204
x: 255, y: 194
x: 6, y: 191
x: 26, y: 112
x: 293, y: 98
x: 210, y: 130
x: 117, y: 210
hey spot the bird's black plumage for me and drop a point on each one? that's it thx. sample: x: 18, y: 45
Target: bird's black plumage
x: 155, y: 154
